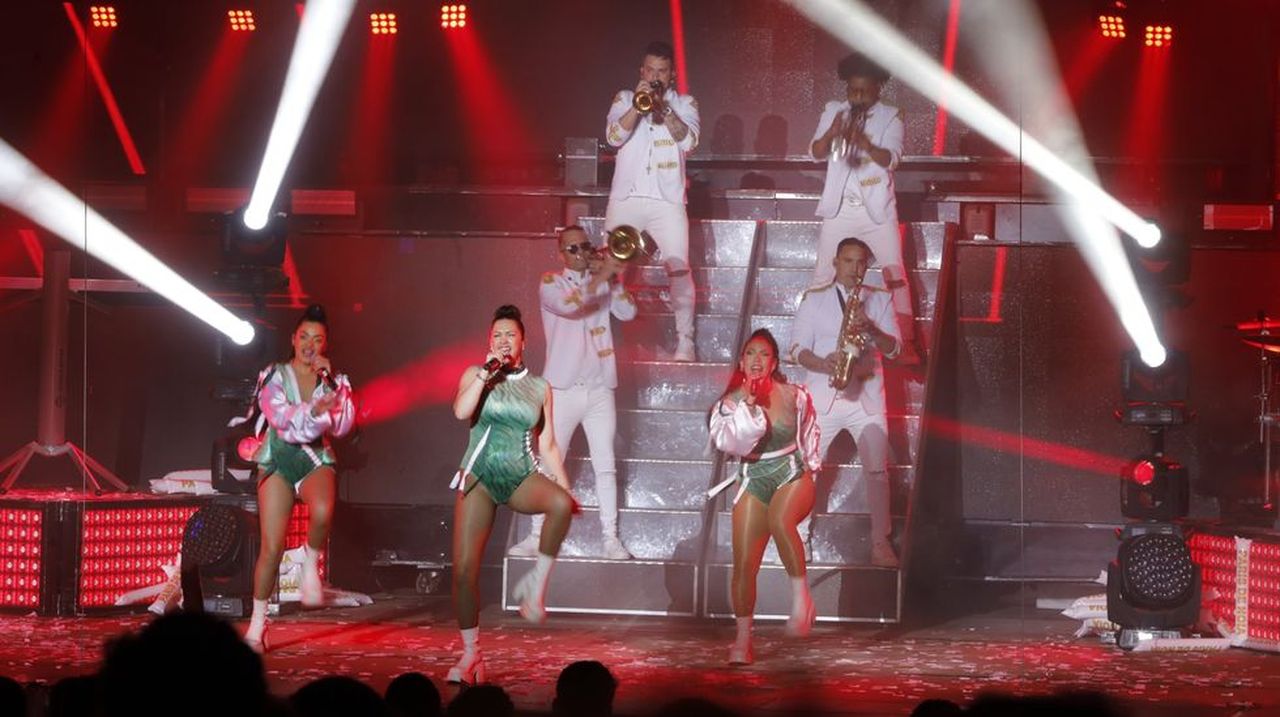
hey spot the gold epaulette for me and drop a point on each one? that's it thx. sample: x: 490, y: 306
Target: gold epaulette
x: 549, y: 277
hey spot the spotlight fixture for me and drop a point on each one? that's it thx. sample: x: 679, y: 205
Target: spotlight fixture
x: 1158, y: 36
x: 453, y: 16
x: 1111, y: 25
x: 241, y: 20
x: 382, y: 23
x: 253, y: 259
x: 103, y: 16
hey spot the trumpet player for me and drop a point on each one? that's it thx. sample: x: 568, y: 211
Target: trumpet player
x: 653, y: 127
x: 840, y: 331
x: 577, y: 302
x: 861, y: 140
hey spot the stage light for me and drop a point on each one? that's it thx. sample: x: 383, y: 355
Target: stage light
x: 382, y: 23
x: 1154, y: 487
x: 241, y: 20
x: 323, y: 24
x: 1111, y: 26
x: 1158, y: 36
x: 453, y: 16
x: 103, y: 16
x: 1153, y: 587
x: 28, y: 191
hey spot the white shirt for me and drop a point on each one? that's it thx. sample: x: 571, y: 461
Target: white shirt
x: 816, y: 326
x: 650, y: 161
x: 856, y: 173
x: 576, y: 324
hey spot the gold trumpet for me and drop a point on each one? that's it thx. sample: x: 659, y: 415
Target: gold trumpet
x: 646, y: 102
x: 625, y: 243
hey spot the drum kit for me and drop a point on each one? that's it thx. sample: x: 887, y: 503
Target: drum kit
x: 1263, y: 334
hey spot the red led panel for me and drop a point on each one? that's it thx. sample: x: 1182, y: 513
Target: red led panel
x: 21, y: 531
x: 122, y: 549
x: 1158, y: 36
x: 1111, y: 26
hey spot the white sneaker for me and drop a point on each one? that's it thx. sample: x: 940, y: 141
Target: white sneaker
x: 527, y: 548
x: 614, y: 549
x: 685, y: 350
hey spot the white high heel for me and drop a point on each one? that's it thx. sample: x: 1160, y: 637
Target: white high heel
x: 801, y: 625
x: 468, y: 671
x: 260, y: 645
x: 741, y: 654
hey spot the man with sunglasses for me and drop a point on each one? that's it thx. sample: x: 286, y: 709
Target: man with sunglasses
x: 576, y: 304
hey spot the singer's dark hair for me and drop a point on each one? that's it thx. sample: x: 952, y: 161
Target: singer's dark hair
x: 857, y: 65
x: 314, y: 314
x: 738, y: 378
x: 508, y: 311
x: 660, y: 49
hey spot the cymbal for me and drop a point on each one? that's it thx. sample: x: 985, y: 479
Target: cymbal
x: 1266, y: 342
x: 1256, y: 325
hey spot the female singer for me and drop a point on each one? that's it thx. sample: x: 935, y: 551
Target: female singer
x: 770, y: 425
x: 302, y: 403
x: 507, y: 407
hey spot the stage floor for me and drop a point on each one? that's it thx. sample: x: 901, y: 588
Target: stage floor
x: 838, y: 670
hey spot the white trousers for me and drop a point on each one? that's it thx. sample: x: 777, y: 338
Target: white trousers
x: 870, y: 433
x: 668, y: 224
x: 885, y: 241
x: 594, y: 409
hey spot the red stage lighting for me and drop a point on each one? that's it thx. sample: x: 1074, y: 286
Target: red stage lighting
x: 453, y: 16
x: 1159, y: 36
x: 103, y: 15
x: 1144, y: 472
x: 1111, y: 26
x: 241, y: 20
x: 382, y: 23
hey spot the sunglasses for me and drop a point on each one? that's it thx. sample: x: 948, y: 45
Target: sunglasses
x: 583, y: 248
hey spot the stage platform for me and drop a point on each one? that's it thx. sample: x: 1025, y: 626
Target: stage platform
x: 840, y: 669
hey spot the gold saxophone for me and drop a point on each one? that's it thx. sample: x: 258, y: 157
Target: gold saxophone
x: 849, y: 345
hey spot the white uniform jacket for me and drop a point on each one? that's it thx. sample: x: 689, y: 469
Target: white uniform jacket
x: 816, y: 326
x: 858, y: 172
x: 579, y: 337
x: 650, y: 162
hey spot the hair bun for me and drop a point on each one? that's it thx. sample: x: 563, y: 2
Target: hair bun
x: 507, y: 311
x: 314, y: 312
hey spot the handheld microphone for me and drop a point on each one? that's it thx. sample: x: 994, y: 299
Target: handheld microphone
x: 492, y: 365
x: 327, y: 376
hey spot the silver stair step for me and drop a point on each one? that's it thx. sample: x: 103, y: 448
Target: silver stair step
x: 683, y: 434
x: 836, y: 538
x: 840, y: 593
x: 794, y: 244
x: 719, y: 289
x: 611, y: 587
x: 656, y: 535
x: 712, y: 242
x: 654, y: 483
x: 671, y: 385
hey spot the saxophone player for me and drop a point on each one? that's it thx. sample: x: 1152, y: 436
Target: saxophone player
x: 858, y: 303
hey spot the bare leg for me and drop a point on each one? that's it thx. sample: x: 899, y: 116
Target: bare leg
x: 275, y: 504
x: 318, y: 492
x: 472, y: 522
x: 537, y: 495
x: 750, y: 536
x: 789, y: 506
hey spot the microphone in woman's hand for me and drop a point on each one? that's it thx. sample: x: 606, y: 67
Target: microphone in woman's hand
x: 492, y: 365
x: 327, y: 376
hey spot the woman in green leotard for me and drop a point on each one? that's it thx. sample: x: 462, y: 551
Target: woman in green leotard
x: 770, y: 425
x: 509, y: 409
